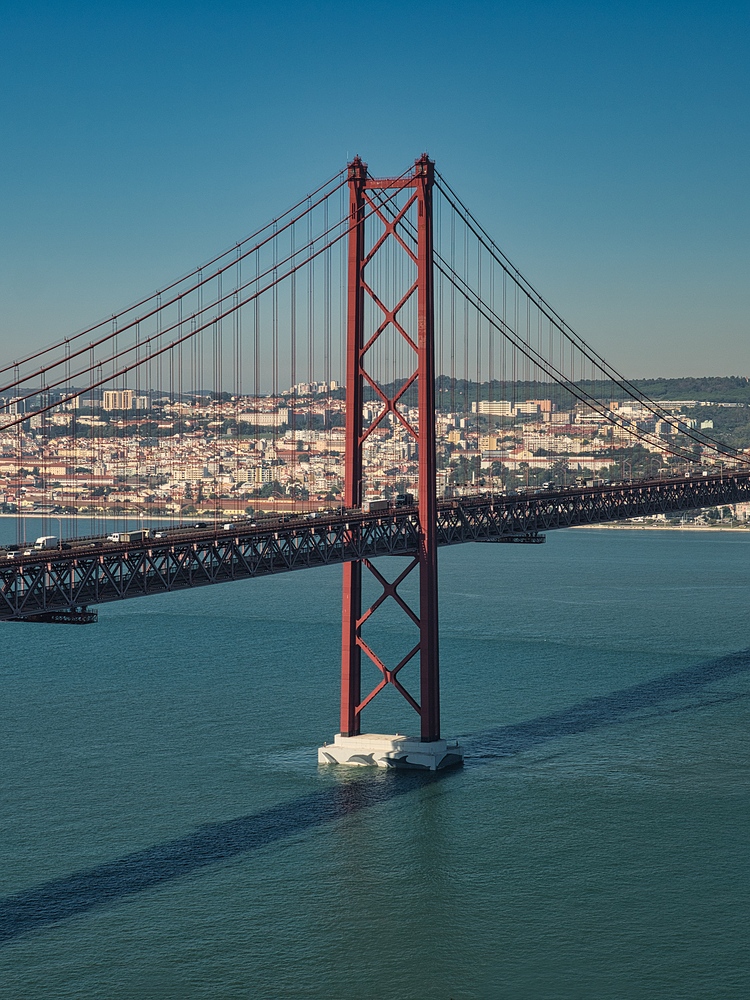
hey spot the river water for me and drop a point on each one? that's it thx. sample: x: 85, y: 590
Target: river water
x: 165, y: 831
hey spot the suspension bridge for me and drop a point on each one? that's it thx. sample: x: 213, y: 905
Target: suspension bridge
x: 368, y: 375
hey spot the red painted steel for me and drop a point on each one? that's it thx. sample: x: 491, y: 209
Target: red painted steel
x: 428, y: 570
x: 351, y: 656
x: 420, y: 181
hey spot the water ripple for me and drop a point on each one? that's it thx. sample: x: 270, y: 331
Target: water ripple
x: 103, y: 885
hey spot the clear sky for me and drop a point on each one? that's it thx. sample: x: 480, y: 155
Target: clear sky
x: 605, y: 146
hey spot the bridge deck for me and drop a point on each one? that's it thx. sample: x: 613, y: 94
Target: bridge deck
x: 96, y: 572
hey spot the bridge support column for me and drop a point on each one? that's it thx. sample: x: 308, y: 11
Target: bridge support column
x: 402, y: 207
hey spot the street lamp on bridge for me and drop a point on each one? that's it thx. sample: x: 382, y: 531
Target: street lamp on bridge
x: 139, y: 509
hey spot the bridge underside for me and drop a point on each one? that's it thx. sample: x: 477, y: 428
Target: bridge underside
x: 51, y: 584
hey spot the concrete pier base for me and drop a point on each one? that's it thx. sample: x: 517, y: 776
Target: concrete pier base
x: 377, y: 750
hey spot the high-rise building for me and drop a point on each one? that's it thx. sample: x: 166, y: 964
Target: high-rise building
x: 123, y: 399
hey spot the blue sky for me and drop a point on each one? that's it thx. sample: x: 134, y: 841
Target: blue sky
x: 604, y: 145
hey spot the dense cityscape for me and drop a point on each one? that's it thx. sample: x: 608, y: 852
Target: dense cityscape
x: 231, y: 455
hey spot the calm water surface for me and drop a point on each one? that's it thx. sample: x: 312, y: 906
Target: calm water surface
x: 166, y: 833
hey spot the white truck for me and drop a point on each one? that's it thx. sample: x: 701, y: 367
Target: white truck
x: 129, y: 536
x: 372, y: 506
x: 47, y: 542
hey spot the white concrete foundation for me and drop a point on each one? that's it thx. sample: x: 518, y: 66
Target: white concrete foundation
x: 376, y: 750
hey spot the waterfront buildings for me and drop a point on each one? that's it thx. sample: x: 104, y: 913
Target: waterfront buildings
x: 232, y: 453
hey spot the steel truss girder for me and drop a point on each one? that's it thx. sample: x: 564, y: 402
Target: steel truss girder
x: 476, y: 518
x: 65, y: 579
x: 57, y: 581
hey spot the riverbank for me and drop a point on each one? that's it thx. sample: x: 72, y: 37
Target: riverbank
x: 40, y: 515
x: 623, y: 525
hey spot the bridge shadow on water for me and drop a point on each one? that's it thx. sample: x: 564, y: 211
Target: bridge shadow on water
x: 102, y: 885
x: 681, y: 691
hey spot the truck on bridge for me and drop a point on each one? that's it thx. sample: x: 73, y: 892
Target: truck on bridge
x: 47, y: 542
x: 141, y: 535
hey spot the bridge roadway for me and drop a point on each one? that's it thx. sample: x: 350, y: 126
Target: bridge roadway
x: 49, y: 585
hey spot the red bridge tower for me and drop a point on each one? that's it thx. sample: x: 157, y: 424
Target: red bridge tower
x: 368, y: 319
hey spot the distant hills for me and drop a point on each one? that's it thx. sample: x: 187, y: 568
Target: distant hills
x: 724, y: 389
x: 459, y: 393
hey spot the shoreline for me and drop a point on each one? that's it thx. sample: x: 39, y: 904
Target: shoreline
x: 661, y: 527
x: 40, y: 515
x: 607, y: 525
